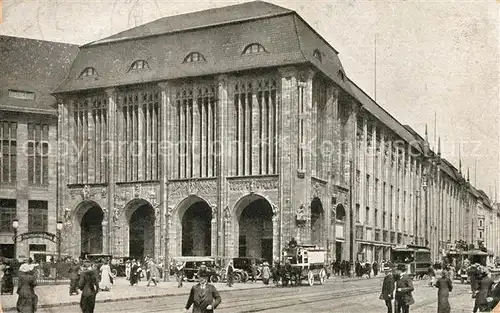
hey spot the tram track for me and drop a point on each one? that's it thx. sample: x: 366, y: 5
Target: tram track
x: 262, y: 303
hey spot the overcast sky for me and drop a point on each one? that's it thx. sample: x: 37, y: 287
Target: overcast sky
x: 433, y: 57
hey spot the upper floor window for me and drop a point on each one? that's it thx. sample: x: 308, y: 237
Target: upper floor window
x: 7, y: 214
x: 341, y: 74
x: 317, y: 55
x: 8, y: 152
x: 37, y: 215
x: 38, y: 154
x: 21, y: 94
x: 194, y: 57
x: 89, y: 71
x: 139, y: 65
x: 254, y: 48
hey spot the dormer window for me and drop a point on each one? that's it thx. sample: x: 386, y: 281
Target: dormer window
x: 341, y: 74
x: 317, y: 55
x: 139, y: 65
x: 194, y: 57
x: 254, y: 48
x: 89, y: 71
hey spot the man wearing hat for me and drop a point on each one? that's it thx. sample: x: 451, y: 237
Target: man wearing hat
x: 179, y: 273
x: 89, y: 285
x: 204, y: 297
x: 387, y: 293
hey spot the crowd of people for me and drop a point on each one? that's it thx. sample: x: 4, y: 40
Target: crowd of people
x: 397, y: 288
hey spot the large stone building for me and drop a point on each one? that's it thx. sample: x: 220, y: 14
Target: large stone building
x: 228, y: 131
x: 31, y: 70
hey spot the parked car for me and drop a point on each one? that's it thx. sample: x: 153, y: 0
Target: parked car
x: 193, y: 264
x: 245, y: 264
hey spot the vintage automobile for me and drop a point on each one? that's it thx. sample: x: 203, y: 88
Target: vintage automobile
x: 245, y: 264
x: 192, y: 265
x: 308, y: 262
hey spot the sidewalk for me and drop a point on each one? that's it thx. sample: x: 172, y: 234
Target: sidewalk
x: 58, y: 295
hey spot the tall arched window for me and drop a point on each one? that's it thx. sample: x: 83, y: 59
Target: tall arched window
x: 89, y: 71
x: 194, y: 57
x: 254, y: 48
x: 139, y: 65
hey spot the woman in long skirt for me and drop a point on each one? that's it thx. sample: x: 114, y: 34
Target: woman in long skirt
x: 27, y: 300
x: 105, y: 283
x: 444, y: 286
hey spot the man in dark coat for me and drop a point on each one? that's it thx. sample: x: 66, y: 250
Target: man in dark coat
x: 387, y: 293
x: 89, y: 285
x: 204, y: 297
x: 404, y: 289
x: 494, y: 298
x: 134, y: 273
x: 375, y: 268
x: 483, y: 292
x: 74, y: 276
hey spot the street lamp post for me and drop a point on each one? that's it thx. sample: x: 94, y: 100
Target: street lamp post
x: 59, y: 227
x: 15, y: 225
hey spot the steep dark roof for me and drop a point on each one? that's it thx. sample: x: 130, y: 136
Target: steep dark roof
x: 286, y: 37
x: 200, y: 19
x: 34, y: 66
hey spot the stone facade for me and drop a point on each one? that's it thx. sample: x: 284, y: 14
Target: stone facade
x: 326, y: 164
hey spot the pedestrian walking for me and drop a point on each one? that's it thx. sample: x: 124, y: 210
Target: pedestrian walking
x: 27, y: 299
x: 179, y: 273
x: 128, y: 266
x: 204, y: 297
x: 404, y: 289
x: 444, y: 286
x: 230, y: 273
x: 153, y: 273
x: 266, y: 273
x: 387, y: 293
x: 134, y: 273
x: 105, y: 283
x: 375, y: 269
x: 254, y: 271
x: 74, y: 276
x: 483, y: 290
x: 89, y: 285
x: 203, y: 269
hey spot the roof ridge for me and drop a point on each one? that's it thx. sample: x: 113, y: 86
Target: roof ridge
x: 112, y: 38
x: 41, y: 40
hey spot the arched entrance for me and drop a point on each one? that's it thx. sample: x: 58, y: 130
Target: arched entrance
x: 141, y: 218
x: 317, y: 222
x: 254, y: 230
x: 196, y: 222
x: 90, y: 216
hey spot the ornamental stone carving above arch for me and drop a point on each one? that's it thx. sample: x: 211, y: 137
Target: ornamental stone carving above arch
x: 137, y: 190
x: 86, y: 192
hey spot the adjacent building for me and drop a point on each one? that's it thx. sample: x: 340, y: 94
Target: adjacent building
x: 31, y: 70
